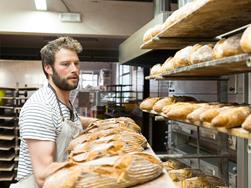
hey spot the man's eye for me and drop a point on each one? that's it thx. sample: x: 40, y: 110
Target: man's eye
x: 65, y: 64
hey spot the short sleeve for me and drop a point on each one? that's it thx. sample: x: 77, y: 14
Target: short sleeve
x: 36, y: 122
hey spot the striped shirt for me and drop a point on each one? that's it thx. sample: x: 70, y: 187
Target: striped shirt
x: 39, y: 119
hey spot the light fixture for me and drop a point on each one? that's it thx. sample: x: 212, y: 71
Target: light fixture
x: 40, y: 4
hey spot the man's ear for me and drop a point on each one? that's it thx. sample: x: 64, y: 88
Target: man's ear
x: 48, y: 69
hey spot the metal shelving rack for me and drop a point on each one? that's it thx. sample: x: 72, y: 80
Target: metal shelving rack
x: 188, y: 31
x: 11, y: 105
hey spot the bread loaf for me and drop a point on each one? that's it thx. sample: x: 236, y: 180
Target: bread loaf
x: 96, y: 135
x: 231, y: 118
x: 231, y: 46
x: 182, y: 174
x: 183, y: 12
x: 204, y: 53
x: 148, y: 103
x: 218, y: 49
x: 168, y: 65
x: 155, y: 70
x: 167, y: 108
x: 173, y: 165
x: 152, y: 32
x: 209, y: 114
x: 247, y: 123
x: 180, y: 112
x: 118, y: 171
x: 245, y: 41
x: 162, y: 103
x: 194, y: 116
x: 91, y: 150
x: 203, y: 181
x: 123, y: 136
x: 182, y: 57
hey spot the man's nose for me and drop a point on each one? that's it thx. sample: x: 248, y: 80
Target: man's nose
x: 74, y: 67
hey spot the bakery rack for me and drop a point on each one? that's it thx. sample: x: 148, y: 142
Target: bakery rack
x: 11, y: 103
x: 204, y: 25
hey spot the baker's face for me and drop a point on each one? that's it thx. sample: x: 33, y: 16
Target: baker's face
x: 66, y: 70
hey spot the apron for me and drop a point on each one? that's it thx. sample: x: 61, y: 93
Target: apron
x: 69, y: 131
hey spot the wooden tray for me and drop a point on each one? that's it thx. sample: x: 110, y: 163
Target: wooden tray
x: 213, y: 18
x: 210, y: 19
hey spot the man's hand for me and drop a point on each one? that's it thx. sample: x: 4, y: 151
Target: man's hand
x: 85, y: 121
x: 42, y: 155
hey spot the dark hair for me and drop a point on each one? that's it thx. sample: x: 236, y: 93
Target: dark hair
x: 48, y: 51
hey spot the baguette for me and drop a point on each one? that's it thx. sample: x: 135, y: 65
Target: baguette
x: 180, y: 112
x: 148, y: 103
x: 231, y: 118
x: 209, y: 114
x: 247, y: 123
x: 158, y: 106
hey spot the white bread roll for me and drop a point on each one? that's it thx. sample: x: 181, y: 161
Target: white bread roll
x: 245, y: 41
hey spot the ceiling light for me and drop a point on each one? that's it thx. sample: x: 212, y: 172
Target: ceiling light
x: 40, y: 4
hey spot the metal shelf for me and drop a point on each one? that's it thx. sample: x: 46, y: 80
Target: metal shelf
x: 211, y: 69
x: 238, y: 132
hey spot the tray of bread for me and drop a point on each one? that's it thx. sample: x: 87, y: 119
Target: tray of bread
x: 233, y: 119
x: 110, y: 152
x: 228, y: 56
x: 197, y: 20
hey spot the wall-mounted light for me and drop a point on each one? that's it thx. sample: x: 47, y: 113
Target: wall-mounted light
x: 41, y: 4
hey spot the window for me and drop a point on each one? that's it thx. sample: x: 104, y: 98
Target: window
x: 88, y: 79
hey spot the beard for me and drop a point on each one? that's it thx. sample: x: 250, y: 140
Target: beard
x: 62, y: 83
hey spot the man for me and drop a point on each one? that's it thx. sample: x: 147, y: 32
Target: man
x: 48, y: 120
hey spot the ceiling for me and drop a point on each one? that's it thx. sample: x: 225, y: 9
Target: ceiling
x: 27, y: 47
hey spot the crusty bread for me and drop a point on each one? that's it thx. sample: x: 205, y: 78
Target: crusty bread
x: 245, y: 41
x: 247, y: 123
x: 231, y: 46
x: 180, y: 112
x: 152, y: 32
x: 118, y: 171
x: 167, y: 108
x: 183, y: 12
x: 209, y: 114
x: 148, y: 103
x: 168, y: 65
x: 156, y: 70
x: 184, y: 173
x: 231, y: 118
x: 218, y: 49
x: 163, y: 102
x: 202, y: 54
x: 173, y: 165
x: 203, y: 181
x: 182, y: 57
x: 194, y: 116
